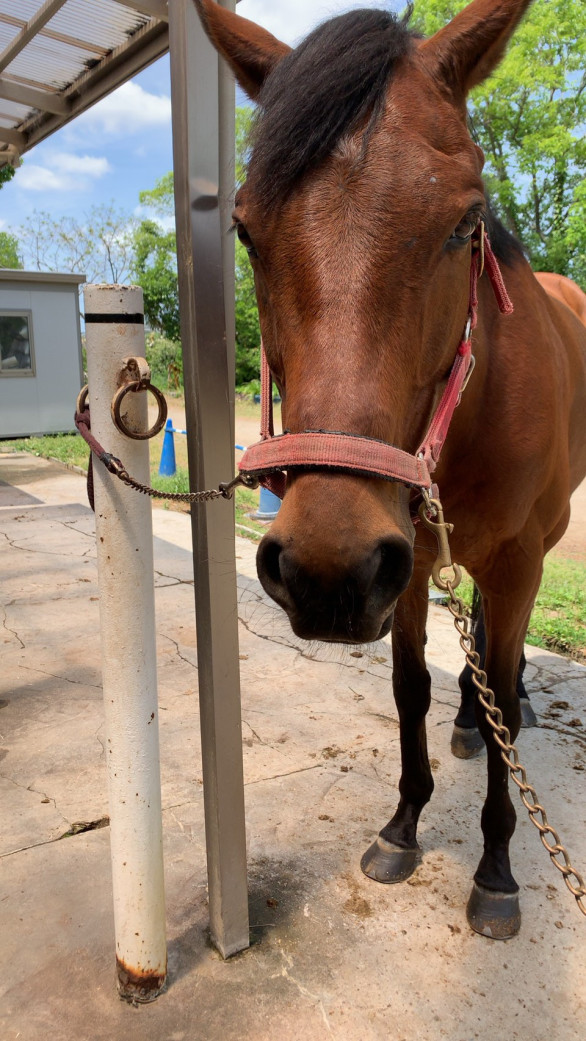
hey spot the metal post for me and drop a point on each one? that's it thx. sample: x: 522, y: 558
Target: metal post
x: 203, y: 148
x: 114, y: 331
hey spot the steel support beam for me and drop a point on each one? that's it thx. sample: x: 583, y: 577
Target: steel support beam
x: 203, y: 151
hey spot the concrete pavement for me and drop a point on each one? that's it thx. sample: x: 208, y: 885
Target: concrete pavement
x: 333, y: 955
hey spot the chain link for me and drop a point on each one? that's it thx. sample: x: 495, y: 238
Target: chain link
x: 510, y: 755
x: 225, y: 491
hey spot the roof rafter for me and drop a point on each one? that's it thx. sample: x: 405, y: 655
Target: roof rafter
x: 156, y: 8
x: 40, y: 99
x: 50, y: 34
x: 12, y: 137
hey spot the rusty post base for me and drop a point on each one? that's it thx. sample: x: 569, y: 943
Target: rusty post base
x: 138, y: 986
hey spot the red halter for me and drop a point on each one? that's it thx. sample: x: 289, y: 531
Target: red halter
x: 365, y: 456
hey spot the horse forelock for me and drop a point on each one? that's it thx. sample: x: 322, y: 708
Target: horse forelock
x: 321, y: 91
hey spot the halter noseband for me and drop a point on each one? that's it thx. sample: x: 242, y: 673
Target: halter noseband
x: 267, y: 460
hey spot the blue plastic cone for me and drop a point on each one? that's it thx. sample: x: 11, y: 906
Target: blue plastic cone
x: 167, y: 466
x: 268, y: 506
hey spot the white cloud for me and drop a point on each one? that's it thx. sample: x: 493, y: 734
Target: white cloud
x: 128, y: 110
x: 166, y: 223
x: 291, y: 20
x: 62, y: 172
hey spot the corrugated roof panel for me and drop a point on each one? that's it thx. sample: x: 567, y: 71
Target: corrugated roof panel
x: 104, y: 20
x: 47, y: 62
x: 85, y: 42
x: 24, y: 9
x: 10, y: 111
x: 53, y: 62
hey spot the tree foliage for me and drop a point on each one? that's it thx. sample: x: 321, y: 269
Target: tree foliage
x: 529, y: 120
x: 100, y: 245
x: 9, y: 252
x: 155, y: 269
x: 6, y: 174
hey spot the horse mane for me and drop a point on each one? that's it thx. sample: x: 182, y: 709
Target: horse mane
x: 322, y: 89
x: 506, y: 247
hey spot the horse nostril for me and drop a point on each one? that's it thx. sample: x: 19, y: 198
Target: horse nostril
x: 396, y: 565
x: 268, y: 562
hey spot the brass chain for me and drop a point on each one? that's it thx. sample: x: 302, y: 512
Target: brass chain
x: 509, y: 753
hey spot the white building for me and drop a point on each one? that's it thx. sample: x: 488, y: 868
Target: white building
x: 40, y: 352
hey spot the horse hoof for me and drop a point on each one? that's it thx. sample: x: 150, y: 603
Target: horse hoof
x: 466, y: 742
x: 385, y: 862
x: 528, y: 717
x: 496, y: 915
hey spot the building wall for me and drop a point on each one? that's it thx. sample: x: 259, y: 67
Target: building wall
x: 43, y: 402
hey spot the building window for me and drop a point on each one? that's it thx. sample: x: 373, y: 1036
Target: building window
x: 16, y: 344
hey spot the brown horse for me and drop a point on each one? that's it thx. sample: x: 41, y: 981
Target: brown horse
x: 563, y: 289
x: 364, y: 193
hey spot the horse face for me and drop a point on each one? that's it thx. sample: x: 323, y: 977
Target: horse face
x: 362, y: 305
x: 361, y: 256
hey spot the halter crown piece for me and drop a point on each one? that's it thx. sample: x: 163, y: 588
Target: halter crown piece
x: 268, y: 460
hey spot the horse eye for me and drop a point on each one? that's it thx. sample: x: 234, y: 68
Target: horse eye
x: 245, y: 239
x: 464, y: 231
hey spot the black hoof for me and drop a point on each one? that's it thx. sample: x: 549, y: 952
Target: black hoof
x: 496, y: 915
x: 385, y: 862
x: 466, y: 742
x: 528, y: 717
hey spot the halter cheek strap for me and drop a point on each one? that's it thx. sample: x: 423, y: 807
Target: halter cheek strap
x: 364, y: 456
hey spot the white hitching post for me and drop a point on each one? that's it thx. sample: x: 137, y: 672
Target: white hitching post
x: 126, y: 581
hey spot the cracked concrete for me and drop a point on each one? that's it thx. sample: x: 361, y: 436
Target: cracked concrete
x: 333, y: 954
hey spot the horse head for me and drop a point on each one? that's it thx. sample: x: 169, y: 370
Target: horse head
x: 363, y: 194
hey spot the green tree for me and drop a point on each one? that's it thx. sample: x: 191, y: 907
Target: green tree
x: 100, y: 245
x: 247, y: 323
x: 9, y: 255
x: 6, y: 174
x: 155, y: 269
x: 529, y: 120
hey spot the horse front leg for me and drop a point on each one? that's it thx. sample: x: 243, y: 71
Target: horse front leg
x: 393, y: 856
x: 493, y: 908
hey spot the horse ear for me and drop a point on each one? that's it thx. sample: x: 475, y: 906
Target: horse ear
x: 473, y: 43
x: 251, y: 52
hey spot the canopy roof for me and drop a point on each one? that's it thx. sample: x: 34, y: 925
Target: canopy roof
x: 58, y: 57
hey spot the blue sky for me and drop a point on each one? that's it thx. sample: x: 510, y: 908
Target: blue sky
x: 123, y: 144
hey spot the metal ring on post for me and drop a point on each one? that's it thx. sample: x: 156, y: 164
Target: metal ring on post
x: 134, y: 387
x: 82, y: 399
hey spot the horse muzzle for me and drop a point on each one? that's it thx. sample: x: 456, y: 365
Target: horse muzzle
x: 352, y: 602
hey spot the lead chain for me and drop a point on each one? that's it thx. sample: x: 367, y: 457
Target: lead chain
x: 510, y: 756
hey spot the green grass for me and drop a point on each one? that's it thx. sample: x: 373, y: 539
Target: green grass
x: 70, y: 449
x: 246, y: 501
x: 558, y: 622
